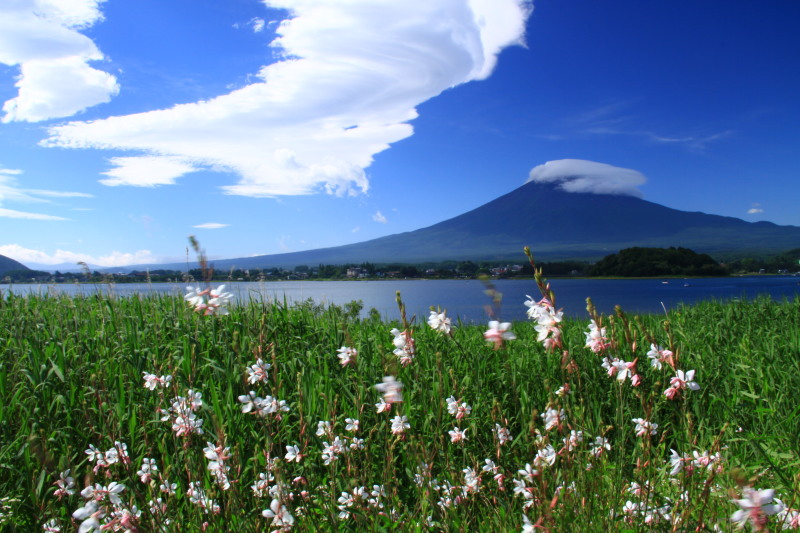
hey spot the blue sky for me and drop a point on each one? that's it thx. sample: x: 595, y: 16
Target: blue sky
x: 272, y: 126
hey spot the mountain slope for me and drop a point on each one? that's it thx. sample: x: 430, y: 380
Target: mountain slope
x: 6, y: 264
x: 556, y: 225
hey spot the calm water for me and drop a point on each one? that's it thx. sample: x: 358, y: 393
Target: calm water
x: 466, y: 298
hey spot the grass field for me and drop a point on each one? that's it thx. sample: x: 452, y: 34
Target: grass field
x: 489, y: 436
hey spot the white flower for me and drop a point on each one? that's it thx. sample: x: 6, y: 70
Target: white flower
x: 659, y: 355
x: 459, y: 411
x: 51, y: 526
x: 457, y: 435
x: 391, y: 389
x: 65, y: 484
x: 472, y: 480
x: 258, y: 372
x: 596, y: 338
x: 680, y: 382
x: 498, y: 333
x: 552, y: 418
x: 346, y: 355
x: 572, y: 441
x: 331, y: 452
x: 351, y: 424
x: 400, y: 425
x: 528, y: 472
x: 624, y: 369
x: 502, y: 434
x: 151, y: 381
x: 643, y: 427
x: 600, y: 444
x: 149, y: 467
x: 280, y: 515
x: 382, y: 406
x: 324, y: 428
x: 439, y: 322
x: 404, y: 346
x: 527, y: 525
x: 293, y: 454
x: 545, y: 457
x: 90, y: 515
x: 756, y: 506
x: 208, y: 301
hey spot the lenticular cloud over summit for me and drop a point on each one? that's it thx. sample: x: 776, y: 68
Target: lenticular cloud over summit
x: 579, y: 175
x: 352, y: 76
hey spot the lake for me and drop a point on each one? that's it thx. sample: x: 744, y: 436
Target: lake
x: 466, y: 299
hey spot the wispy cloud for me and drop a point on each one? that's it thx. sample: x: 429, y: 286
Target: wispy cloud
x: 755, y: 209
x: 43, y: 39
x: 578, y: 175
x: 10, y: 191
x: 619, y: 118
x: 211, y: 225
x: 10, y: 213
x: 257, y: 24
x: 58, y: 194
x: 378, y: 217
x: 115, y: 258
x: 353, y: 74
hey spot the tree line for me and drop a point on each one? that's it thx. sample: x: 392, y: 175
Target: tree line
x: 637, y: 261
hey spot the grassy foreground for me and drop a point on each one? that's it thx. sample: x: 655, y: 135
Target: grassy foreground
x: 72, y: 381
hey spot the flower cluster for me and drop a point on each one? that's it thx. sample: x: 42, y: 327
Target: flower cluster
x: 680, y: 382
x: 217, y: 456
x: 458, y: 410
x: 596, y: 339
x: 151, y: 381
x: 181, y: 414
x: 403, y: 346
x: 117, y: 454
x: 258, y: 372
x: 208, y: 301
x: 252, y: 403
x: 439, y: 322
x: 548, y: 322
x: 360, y: 498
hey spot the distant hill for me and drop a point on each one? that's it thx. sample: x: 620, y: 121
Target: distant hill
x: 556, y: 225
x: 632, y: 262
x: 7, y: 264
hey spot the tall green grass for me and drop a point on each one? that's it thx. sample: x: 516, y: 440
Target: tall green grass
x: 71, y: 376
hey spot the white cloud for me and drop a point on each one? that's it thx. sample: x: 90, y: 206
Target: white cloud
x: 257, y: 24
x: 55, y: 80
x: 353, y: 75
x: 115, y: 258
x: 10, y: 213
x: 211, y: 225
x: 756, y: 209
x: 58, y: 194
x: 578, y: 175
x: 147, y: 171
x: 378, y: 217
x: 10, y: 191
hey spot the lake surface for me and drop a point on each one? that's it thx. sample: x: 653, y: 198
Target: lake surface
x: 466, y: 299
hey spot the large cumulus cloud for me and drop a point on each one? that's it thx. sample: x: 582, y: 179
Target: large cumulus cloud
x: 353, y: 73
